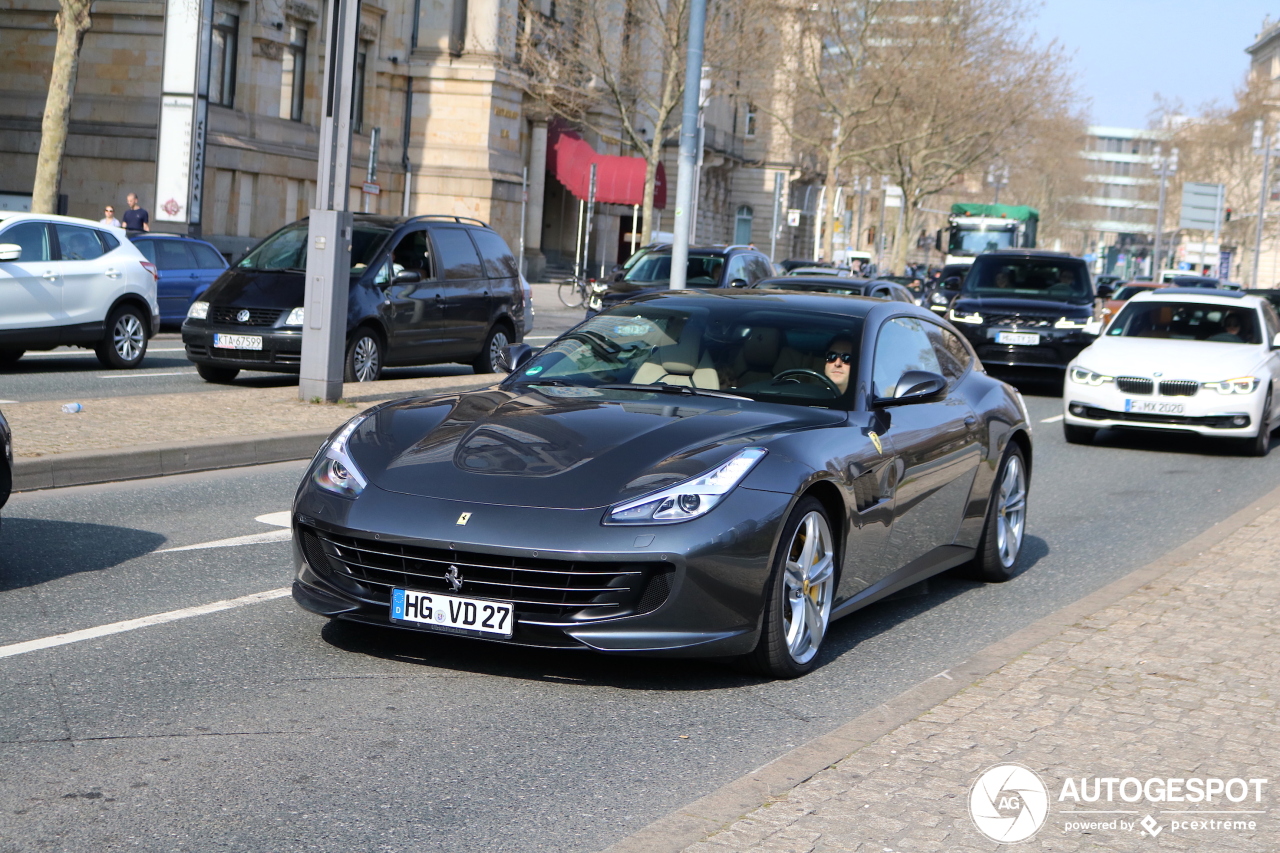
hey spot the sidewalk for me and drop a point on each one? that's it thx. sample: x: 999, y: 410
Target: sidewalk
x: 1177, y: 681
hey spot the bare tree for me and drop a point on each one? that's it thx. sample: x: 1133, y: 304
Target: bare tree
x: 72, y: 22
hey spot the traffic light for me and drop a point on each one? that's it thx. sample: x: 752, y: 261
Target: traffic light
x: 1228, y: 219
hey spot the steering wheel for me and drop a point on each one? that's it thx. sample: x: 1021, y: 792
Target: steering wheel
x: 800, y: 371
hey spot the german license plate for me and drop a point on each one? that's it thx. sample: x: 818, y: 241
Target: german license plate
x: 1153, y: 407
x: 452, y: 614
x: 237, y: 341
x: 1021, y: 339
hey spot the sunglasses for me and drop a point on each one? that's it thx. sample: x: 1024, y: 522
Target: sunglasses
x: 844, y: 357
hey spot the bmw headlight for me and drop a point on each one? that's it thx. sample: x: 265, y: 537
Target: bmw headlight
x: 692, y: 498
x: 199, y: 310
x: 337, y: 471
x: 1084, y: 376
x: 956, y: 317
x: 296, y: 317
x: 1239, y: 385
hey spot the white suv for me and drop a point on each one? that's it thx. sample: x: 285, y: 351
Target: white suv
x: 71, y: 282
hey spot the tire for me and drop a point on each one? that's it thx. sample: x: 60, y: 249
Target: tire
x: 364, y: 357
x: 804, y: 566
x: 125, y: 343
x: 221, y: 375
x: 1002, y: 538
x: 570, y: 293
x: 1260, y: 444
x: 495, y: 344
x: 1078, y: 434
x: 9, y: 357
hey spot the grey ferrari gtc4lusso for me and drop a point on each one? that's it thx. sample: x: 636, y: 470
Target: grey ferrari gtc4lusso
x: 693, y: 473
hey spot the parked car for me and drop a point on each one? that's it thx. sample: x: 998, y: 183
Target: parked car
x: 840, y: 286
x: 708, y: 267
x: 423, y: 290
x: 186, y: 267
x: 812, y: 271
x: 6, y: 461
x: 71, y: 282
x: 939, y: 297
x: 1184, y: 359
x: 1026, y: 308
x: 796, y: 263
x: 620, y: 270
x: 1121, y: 293
x: 707, y: 473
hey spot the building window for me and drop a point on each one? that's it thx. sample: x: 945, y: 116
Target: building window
x: 742, y: 225
x: 293, y: 78
x: 357, y: 94
x: 222, y: 60
x: 750, y: 129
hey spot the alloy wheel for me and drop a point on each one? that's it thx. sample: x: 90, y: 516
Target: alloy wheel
x: 366, y: 359
x: 497, y: 346
x: 1011, y: 512
x: 808, y: 584
x: 128, y: 337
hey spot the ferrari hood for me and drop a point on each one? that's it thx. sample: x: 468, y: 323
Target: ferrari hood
x: 1203, y: 361
x: 570, y: 448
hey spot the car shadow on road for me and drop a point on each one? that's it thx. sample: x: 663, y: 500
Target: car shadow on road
x: 637, y: 673
x: 1170, y: 442
x: 34, y: 551
x: 1035, y: 382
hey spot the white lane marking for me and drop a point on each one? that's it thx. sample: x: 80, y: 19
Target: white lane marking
x: 541, y: 337
x: 145, y: 375
x: 234, y: 541
x: 87, y: 353
x: 8, y: 401
x: 134, y: 624
x: 284, y: 518
x: 1052, y: 420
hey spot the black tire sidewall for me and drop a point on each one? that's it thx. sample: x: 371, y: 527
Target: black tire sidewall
x: 213, y: 373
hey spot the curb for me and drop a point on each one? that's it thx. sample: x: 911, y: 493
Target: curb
x: 82, y: 468
x: 721, y: 808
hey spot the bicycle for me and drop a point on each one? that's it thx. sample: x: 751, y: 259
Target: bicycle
x: 574, y: 292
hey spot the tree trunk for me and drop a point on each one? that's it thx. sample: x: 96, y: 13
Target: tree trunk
x: 72, y: 22
x: 907, y: 217
x: 828, y: 214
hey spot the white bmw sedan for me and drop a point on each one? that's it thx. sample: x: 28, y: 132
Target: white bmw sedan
x: 1190, y: 360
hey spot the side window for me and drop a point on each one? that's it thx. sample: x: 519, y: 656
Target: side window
x: 1271, y: 320
x: 33, y: 237
x: 109, y: 241
x: 207, y: 257
x: 458, y: 258
x: 737, y: 270
x: 498, y: 260
x: 412, y: 253
x: 147, y: 248
x: 902, y: 345
x: 880, y: 292
x: 758, y: 268
x: 173, y: 255
x: 953, y: 356
x: 76, y: 243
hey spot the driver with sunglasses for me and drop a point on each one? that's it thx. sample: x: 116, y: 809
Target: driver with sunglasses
x: 839, y: 361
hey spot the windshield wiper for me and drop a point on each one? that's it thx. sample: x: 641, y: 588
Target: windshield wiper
x: 665, y: 388
x: 597, y: 341
x: 556, y: 383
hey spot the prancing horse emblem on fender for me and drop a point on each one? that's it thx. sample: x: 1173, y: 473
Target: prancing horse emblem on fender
x: 454, y: 577
x: 875, y: 439
x: 464, y: 518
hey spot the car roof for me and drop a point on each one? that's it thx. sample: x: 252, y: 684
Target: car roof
x: 808, y: 282
x: 135, y: 236
x: 828, y: 303
x: 1029, y: 253
x: 7, y: 216
x: 1198, y: 296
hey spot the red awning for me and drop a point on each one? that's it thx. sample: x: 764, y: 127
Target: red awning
x: 619, y: 180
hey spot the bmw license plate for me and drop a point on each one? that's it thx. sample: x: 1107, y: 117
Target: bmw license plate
x: 1153, y: 407
x: 1022, y: 339
x: 237, y: 341
x: 452, y: 614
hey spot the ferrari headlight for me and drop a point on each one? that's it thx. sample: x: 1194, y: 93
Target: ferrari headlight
x: 1239, y: 385
x: 337, y: 471
x: 296, y: 317
x: 956, y: 317
x: 692, y: 498
x: 199, y: 310
x: 1084, y: 376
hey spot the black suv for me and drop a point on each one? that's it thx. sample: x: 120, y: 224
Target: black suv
x: 423, y: 290
x: 715, y: 266
x: 1026, y: 308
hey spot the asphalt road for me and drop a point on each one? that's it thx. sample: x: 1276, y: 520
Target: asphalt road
x: 70, y: 374
x: 264, y: 728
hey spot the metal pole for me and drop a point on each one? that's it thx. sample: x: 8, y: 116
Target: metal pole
x: 524, y: 204
x: 1217, y: 226
x: 688, y: 143
x: 864, y: 187
x: 818, y: 216
x: 777, y: 210
x: 371, y: 172
x: 1262, y: 210
x: 591, y: 212
x: 1155, y: 251
x: 635, y: 222
x: 884, y: 197
x: 577, y: 246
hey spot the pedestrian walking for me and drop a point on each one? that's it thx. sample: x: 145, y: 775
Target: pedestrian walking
x: 136, y: 217
x: 109, y: 217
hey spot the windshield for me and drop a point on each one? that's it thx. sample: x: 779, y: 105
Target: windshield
x: 974, y: 240
x: 655, y: 269
x: 1187, y: 321
x: 287, y: 248
x: 1064, y: 280
x: 753, y: 349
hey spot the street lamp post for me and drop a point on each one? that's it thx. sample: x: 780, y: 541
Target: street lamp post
x: 1262, y: 146
x: 688, y: 144
x: 1164, y: 167
x: 998, y: 177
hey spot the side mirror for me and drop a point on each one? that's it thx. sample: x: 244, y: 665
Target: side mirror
x: 514, y: 357
x: 951, y: 282
x: 738, y: 282
x: 407, y: 277
x: 914, y: 386
x: 10, y: 251
x: 1105, y: 291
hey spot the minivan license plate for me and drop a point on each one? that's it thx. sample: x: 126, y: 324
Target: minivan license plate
x: 237, y: 341
x: 452, y: 614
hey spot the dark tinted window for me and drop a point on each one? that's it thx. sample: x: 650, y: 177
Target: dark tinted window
x: 758, y: 268
x: 173, y: 255
x: 953, y: 356
x: 498, y: 260
x: 902, y: 345
x: 33, y: 237
x: 412, y: 253
x: 147, y: 248
x: 1187, y: 321
x: 76, y: 243
x: 458, y: 258
x: 1063, y: 280
x: 109, y: 241
x: 287, y: 248
x: 207, y: 257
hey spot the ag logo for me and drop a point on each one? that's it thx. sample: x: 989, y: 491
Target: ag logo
x: 1008, y: 803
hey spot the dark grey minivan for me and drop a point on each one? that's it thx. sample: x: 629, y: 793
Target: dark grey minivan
x: 423, y: 290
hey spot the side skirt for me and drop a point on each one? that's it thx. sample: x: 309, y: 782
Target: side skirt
x: 935, y: 562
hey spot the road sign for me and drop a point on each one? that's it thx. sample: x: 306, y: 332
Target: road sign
x: 1202, y: 206
x: 371, y: 188
x: 793, y: 217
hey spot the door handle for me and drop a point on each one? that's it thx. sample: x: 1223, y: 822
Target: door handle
x: 50, y: 276
x: 113, y: 273
x: 970, y: 421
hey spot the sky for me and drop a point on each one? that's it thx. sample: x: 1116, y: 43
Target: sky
x: 1125, y: 52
